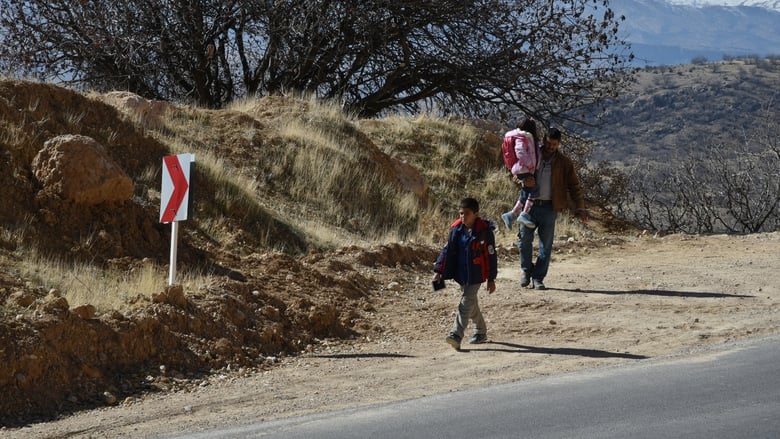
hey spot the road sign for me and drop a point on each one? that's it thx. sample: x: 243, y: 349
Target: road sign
x: 174, y: 196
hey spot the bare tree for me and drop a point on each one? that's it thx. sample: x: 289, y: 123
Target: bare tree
x: 732, y: 187
x: 471, y: 57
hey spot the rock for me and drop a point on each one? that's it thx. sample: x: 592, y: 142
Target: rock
x: 149, y: 112
x: 173, y: 295
x: 109, y: 398
x: 22, y: 299
x: 86, y: 312
x: 223, y: 347
x: 56, y: 305
x: 79, y: 169
x: 176, y: 295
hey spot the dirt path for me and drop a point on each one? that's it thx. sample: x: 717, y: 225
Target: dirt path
x: 643, y: 298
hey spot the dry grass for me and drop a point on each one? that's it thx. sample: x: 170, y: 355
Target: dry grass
x: 106, y: 289
x: 331, y: 175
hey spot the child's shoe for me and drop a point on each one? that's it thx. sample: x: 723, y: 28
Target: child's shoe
x: 454, y: 340
x: 509, y: 219
x: 526, y: 219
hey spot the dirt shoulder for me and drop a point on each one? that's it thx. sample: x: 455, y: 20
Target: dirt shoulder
x: 630, y: 300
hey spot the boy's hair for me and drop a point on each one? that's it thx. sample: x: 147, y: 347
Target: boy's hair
x: 469, y: 203
x: 554, y: 133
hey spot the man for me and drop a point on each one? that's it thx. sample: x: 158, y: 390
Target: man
x: 556, y: 179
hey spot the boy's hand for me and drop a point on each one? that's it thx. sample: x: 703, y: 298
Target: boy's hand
x: 491, y: 286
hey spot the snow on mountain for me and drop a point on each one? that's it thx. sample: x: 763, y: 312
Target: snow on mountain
x: 768, y: 4
x: 676, y: 31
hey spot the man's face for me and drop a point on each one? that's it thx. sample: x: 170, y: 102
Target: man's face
x: 551, y: 145
x: 467, y: 216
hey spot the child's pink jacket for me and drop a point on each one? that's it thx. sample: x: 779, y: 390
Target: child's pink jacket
x: 526, y: 152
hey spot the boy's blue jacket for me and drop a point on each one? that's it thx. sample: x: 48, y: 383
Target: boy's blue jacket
x: 469, y: 258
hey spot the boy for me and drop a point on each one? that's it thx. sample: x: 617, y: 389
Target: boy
x: 470, y: 259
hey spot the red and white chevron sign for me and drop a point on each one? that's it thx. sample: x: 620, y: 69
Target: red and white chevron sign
x: 175, y: 192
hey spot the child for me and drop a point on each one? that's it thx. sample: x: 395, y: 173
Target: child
x: 470, y: 259
x: 528, y: 154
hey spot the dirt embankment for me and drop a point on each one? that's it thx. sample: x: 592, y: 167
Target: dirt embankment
x: 610, y: 302
x: 56, y: 361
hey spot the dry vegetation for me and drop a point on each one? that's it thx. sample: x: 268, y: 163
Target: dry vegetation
x: 676, y: 110
x: 310, y: 228
x: 296, y: 205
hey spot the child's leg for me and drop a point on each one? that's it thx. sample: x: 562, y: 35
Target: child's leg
x: 525, y: 215
x: 529, y: 203
x: 518, y: 206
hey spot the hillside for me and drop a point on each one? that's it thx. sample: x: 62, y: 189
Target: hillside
x: 296, y: 209
x: 676, y: 110
x: 311, y: 240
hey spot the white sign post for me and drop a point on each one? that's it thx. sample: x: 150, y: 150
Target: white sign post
x: 174, y: 200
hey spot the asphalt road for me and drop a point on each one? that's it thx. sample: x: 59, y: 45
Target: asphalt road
x: 729, y: 392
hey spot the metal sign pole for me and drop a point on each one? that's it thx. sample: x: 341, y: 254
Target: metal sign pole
x: 174, y: 246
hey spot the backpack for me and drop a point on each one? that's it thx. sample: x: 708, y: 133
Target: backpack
x: 508, y: 149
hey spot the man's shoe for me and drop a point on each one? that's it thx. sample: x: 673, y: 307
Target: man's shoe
x: 509, y: 219
x: 454, y: 341
x: 526, y: 219
x: 525, y: 279
x: 539, y: 285
x: 478, y: 338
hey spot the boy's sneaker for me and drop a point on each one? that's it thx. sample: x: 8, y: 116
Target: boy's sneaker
x: 526, y: 219
x: 525, y: 279
x: 509, y: 219
x: 478, y: 338
x: 539, y: 285
x: 454, y: 341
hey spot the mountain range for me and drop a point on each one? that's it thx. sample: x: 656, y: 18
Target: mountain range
x: 679, y: 31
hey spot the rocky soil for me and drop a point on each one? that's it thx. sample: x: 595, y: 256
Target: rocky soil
x: 612, y: 301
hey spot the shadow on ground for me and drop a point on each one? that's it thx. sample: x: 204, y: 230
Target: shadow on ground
x: 691, y: 294
x: 522, y: 349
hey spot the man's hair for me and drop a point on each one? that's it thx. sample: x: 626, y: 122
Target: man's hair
x: 554, y: 133
x: 469, y: 203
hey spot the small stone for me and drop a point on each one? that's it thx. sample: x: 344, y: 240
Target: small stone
x: 109, y: 398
